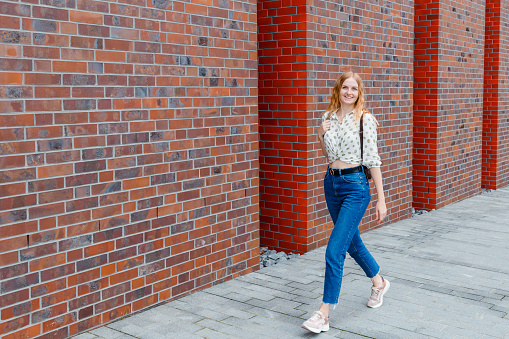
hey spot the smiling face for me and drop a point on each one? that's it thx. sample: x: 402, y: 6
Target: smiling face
x: 349, y: 92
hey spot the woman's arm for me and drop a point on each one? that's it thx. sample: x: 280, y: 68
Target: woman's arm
x: 324, y: 127
x: 322, y: 143
x: 371, y: 159
x: 381, y: 209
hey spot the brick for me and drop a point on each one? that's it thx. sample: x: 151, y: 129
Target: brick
x: 38, y: 251
x: 69, y: 67
x: 12, y: 161
x: 42, y: 79
x: 50, y: 312
x: 46, y: 210
x: 41, y: 52
x: 83, y: 179
x: 48, y: 287
x: 55, y: 92
x: 9, y: 22
x: 86, y: 17
x: 116, y: 313
x: 56, y: 272
x: 14, y: 297
x: 59, y: 297
x: 54, y: 145
x: 59, y: 321
x: 12, y: 216
x: 88, y: 299
x: 60, y: 157
x: 17, y: 229
x: 46, y: 236
x: 51, y: 39
x: 20, y: 282
x: 91, y: 262
x: 123, y: 276
x: 28, y: 332
x: 43, y: 105
x: 86, y: 324
x: 15, y: 36
x: 13, y: 271
x: 20, y: 309
x: 11, y: 106
x: 44, y: 132
x: 9, y: 258
x: 40, y: 25
x: 10, y: 51
x: 46, y: 262
x: 11, y: 134
x: 11, y: 78
x: 45, y: 185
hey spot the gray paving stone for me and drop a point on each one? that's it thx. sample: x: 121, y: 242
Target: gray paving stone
x: 133, y: 330
x: 462, y: 332
x: 433, y: 333
x: 349, y: 335
x: 237, y: 313
x: 85, y: 336
x: 211, y: 334
x: 153, y: 335
x: 120, y: 324
x: 238, y: 297
x: 214, y: 325
x: 106, y: 332
x: 175, y: 328
x: 189, y: 317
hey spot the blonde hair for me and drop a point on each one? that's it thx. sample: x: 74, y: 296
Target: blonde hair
x: 335, y: 102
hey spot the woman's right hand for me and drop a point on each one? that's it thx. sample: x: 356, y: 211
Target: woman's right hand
x: 324, y: 127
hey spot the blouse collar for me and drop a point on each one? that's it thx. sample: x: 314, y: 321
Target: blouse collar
x: 334, y: 115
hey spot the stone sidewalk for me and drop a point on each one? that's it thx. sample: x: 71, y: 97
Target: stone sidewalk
x: 449, y: 273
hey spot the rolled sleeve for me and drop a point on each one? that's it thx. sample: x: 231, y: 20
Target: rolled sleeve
x: 371, y: 158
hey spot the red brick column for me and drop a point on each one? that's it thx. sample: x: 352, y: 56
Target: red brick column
x: 284, y: 131
x: 128, y: 157
x: 302, y: 51
x: 425, y: 123
x: 449, y: 41
x: 495, y: 164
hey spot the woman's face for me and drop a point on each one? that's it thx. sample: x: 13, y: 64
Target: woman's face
x: 349, y: 92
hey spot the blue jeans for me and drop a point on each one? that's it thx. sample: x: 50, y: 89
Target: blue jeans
x: 347, y: 197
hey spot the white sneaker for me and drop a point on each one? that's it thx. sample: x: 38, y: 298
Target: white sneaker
x: 317, y: 323
x: 377, y: 295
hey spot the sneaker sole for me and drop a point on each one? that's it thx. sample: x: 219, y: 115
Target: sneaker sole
x: 324, y: 328
x: 382, y: 296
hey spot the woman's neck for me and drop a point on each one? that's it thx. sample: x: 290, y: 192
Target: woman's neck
x: 345, y: 109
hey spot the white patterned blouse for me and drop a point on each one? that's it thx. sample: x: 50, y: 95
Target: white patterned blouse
x: 342, y: 141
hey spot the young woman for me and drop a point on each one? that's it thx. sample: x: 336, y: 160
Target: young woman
x: 347, y: 192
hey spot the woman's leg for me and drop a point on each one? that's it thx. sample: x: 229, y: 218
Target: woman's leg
x: 347, y: 200
x: 364, y: 259
x: 345, y: 228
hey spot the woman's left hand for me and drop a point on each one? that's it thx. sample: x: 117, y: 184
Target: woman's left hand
x: 381, y: 211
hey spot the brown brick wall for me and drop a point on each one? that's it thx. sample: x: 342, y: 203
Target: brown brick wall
x: 128, y: 156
